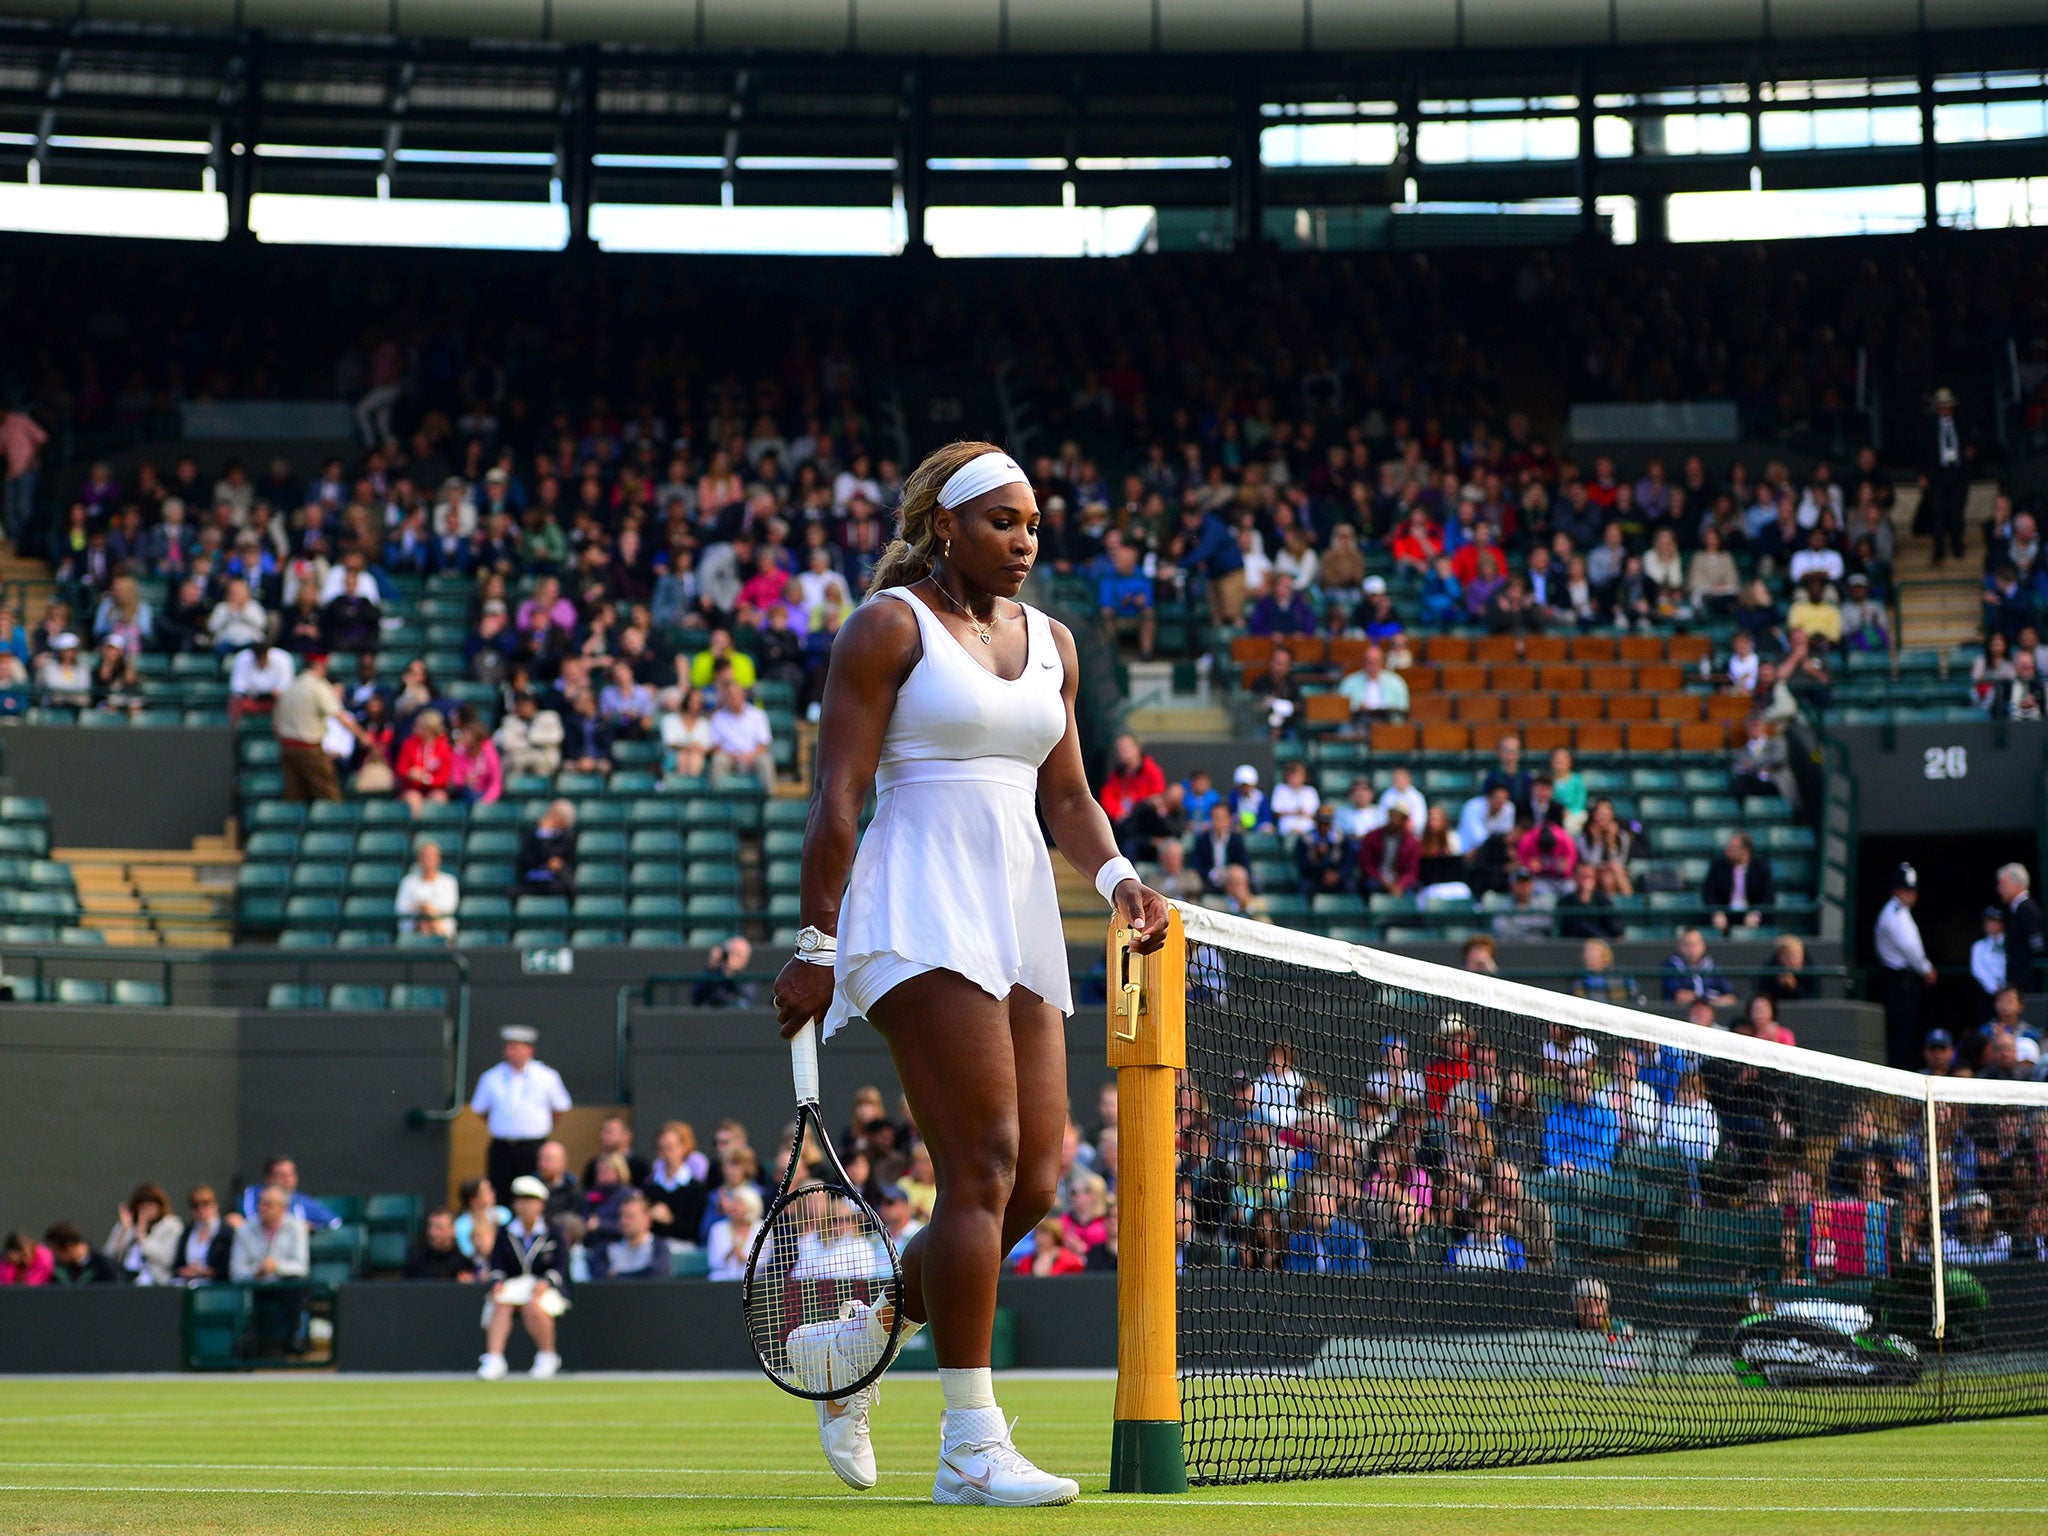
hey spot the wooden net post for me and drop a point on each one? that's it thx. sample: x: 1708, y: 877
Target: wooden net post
x: 1148, y: 1048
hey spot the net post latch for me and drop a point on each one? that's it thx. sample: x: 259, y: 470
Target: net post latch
x: 1130, y: 992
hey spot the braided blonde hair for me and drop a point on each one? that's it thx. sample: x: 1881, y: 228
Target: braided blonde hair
x: 911, y: 553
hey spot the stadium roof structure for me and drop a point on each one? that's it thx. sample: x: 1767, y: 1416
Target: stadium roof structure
x: 1064, y: 26
x: 997, y: 103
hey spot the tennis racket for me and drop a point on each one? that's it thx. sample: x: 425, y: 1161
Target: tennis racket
x: 822, y: 1266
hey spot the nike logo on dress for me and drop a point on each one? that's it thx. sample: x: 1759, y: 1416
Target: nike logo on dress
x: 977, y: 1479
x: 1050, y: 661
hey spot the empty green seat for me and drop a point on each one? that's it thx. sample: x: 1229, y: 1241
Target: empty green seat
x: 308, y: 910
x: 328, y: 843
x: 272, y: 843
x: 263, y: 877
x: 656, y: 938
x: 712, y: 875
x: 138, y: 994
x: 285, y: 994
x: 601, y: 843
x: 655, y: 875
x: 714, y: 843
x: 648, y: 906
x: 790, y: 814
x: 392, y: 1212
x: 356, y: 997
x: 540, y: 909
x: 76, y: 989
x: 600, y: 879
x: 375, y: 877
x: 386, y: 843
x: 344, y: 1244
x: 657, y: 843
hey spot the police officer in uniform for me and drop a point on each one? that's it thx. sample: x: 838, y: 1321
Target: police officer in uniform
x: 520, y: 1097
x: 1905, y: 972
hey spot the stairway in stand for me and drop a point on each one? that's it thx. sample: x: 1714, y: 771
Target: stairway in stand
x: 28, y: 584
x: 1939, y: 607
x: 158, y: 896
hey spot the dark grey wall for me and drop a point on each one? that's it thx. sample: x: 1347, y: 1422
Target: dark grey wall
x: 1908, y: 785
x: 333, y: 1090
x: 702, y: 1067
x: 126, y: 787
x: 51, y: 1330
x: 100, y: 1099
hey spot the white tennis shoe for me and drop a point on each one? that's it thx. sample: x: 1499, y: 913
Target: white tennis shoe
x: 826, y: 1354
x: 490, y: 1368
x: 995, y: 1472
x: 546, y: 1363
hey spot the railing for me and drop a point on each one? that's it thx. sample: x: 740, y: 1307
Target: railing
x: 92, y: 964
x: 622, y: 1016
x: 1841, y: 818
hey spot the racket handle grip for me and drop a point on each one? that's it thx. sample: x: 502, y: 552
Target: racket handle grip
x: 803, y: 1063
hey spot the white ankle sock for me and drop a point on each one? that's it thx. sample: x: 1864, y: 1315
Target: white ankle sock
x: 971, y: 1411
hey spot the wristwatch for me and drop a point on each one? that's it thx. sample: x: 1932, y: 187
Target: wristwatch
x: 816, y: 945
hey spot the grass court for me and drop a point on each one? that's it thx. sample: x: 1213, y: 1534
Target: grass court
x: 624, y: 1456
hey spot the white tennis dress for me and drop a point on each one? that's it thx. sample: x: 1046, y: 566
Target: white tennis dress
x: 953, y: 874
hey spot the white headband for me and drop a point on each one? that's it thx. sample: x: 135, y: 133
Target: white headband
x: 980, y: 475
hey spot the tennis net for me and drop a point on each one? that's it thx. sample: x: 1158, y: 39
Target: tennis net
x: 1427, y: 1219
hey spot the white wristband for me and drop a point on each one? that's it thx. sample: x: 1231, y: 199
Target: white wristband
x: 1113, y: 874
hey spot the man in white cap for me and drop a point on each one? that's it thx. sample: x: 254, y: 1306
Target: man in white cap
x: 65, y: 680
x: 527, y: 1274
x: 520, y: 1097
x: 1906, y: 972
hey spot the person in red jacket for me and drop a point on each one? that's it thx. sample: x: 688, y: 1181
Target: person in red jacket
x: 1452, y: 1069
x: 1133, y: 777
x: 1390, y: 856
x: 1465, y: 563
x: 1417, y: 544
x: 426, y: 760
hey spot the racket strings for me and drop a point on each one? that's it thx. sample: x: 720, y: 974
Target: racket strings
x: 822, y: 1263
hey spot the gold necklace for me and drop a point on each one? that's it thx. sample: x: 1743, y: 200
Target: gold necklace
x: 986, y: 631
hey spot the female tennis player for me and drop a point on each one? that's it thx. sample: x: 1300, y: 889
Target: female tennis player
x: 955, y: 703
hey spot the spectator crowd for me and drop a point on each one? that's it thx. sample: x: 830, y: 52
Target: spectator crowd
x: 1488, y: 1142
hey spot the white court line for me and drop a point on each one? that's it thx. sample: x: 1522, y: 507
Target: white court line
x: 499, y: 1406
x: 1171, y: 1506
x: 642, y: 1470
x: 527, y: 1468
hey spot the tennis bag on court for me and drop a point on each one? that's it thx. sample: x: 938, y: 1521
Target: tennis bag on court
x: 1821, y: 1344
